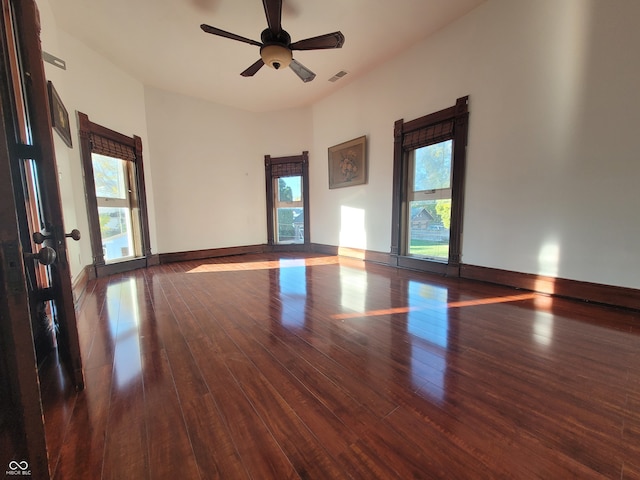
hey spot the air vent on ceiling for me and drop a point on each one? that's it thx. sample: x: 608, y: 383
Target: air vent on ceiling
x: 338, y: 76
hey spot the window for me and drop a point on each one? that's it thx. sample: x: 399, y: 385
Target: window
x: 288, y: 209
x: 287, y: 181
x: 429, y: 166
x: 429, y: 201
x: 116, y: 200
x: 116, y: 209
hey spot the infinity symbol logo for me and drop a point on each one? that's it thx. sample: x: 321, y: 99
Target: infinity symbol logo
x: 13, y: 465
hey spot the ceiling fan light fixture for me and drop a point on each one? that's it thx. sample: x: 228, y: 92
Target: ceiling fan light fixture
x: 275, y: 45
x: 276, y: 56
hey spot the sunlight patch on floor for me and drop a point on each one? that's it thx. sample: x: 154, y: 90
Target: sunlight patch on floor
x: 465, y: 303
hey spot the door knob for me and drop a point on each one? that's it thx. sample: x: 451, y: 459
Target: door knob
x: 46, y: 255
x: 75, y: 234
x: 39, y: 237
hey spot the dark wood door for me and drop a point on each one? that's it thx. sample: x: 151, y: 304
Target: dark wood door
x: 33, y: 171
x: 22, y: 437
x: 37, y: 316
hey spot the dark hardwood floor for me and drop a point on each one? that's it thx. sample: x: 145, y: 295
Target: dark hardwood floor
x: 286, y: 367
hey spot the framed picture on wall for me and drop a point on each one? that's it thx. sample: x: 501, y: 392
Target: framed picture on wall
x: 348, y: 163
x: 59, y: 115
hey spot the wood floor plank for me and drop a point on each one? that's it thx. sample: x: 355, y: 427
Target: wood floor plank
x: 170, y: 451
x: 83, y: 449
x: 320, y: 365
x: 331, y: 432
x: 126, y: 453
x: 320, y: 414
x: 58, y: 401
x: 340, y: 391
x: 538, y: 413
x: 260, y: 453
x: 630, y: 471
x: 215, y: 452
x: 308, y: 456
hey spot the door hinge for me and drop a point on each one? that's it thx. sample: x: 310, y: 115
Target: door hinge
x: 27, y: 151
x: 46, y: 294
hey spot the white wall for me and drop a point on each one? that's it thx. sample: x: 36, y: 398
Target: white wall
x: 112, y: 98
x: 552, y: 159
x: 209, y: 169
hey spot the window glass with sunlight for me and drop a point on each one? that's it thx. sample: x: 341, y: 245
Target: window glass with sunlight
x: 289, y: 209
x: 429, y: 202
x: 113, y: 192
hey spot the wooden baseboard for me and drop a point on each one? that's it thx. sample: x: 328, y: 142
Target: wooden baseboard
x: 96, y: 271
x: 366, y: 255
x: 120, y: 267
x: 292, y: 247
x: 578, y: 290
x: 79, y: 284
x: 575, y: 289
x: 562, y: 287
x: 324, y: 249
x: 209, y: 253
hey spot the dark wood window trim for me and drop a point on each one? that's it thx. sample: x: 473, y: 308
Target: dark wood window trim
x: 448, y: 124
x: 94, y: 137
x: 277, y: 167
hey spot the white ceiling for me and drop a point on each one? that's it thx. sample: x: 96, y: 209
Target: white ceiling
x: 160, y: 43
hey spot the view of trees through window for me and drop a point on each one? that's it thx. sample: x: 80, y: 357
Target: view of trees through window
x: 430, y: 201
x: 114, y: 213
x: 290, y: 210
x: 432, y: 167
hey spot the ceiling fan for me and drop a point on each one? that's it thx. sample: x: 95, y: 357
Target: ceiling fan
x: 276, y: 49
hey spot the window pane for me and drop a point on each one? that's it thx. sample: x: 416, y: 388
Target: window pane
x: 116, y: 233
x: 109, y: 176
x: 432, y: 167
x: 290, y: 223
x: 429, y: 223
x: 290, y: 189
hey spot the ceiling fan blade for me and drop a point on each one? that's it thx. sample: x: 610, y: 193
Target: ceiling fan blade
x: 251, y: 71
x: 303, y: 72
x: 232, y: 36
x: 329, y: 40
x: 273, y: 11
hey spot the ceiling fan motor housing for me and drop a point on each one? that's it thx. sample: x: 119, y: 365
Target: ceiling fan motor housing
x: 275, y: 51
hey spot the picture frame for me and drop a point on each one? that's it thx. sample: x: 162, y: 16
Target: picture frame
x: 348, y: 163
x: 59, y: 115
